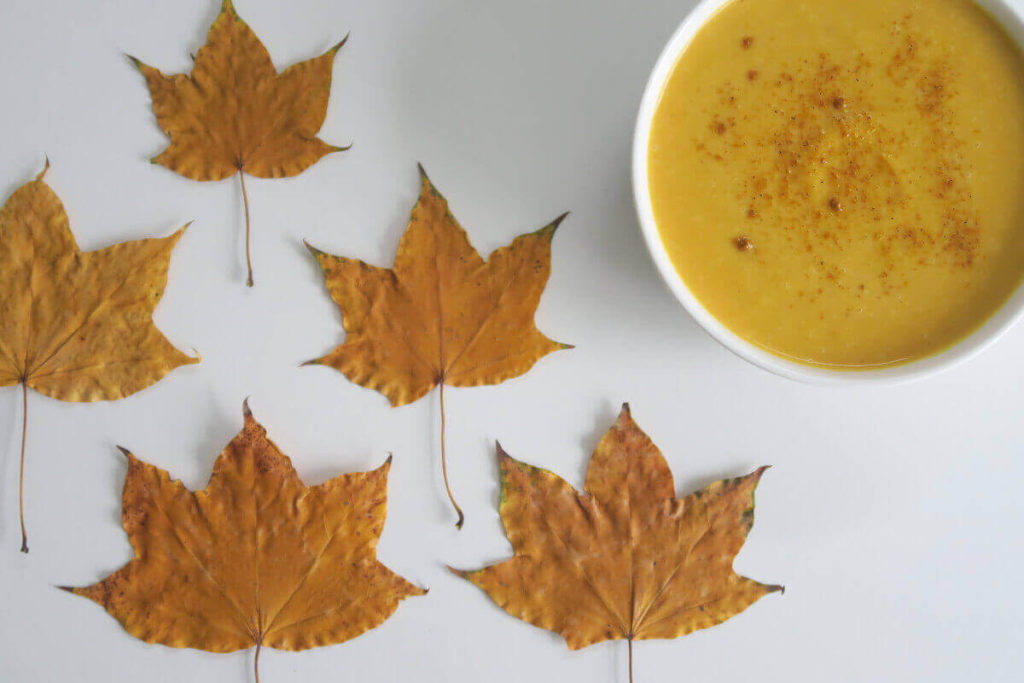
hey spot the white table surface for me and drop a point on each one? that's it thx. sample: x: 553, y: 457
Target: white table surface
x: 892, y: 515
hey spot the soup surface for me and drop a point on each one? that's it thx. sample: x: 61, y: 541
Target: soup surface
x: 842, y: 182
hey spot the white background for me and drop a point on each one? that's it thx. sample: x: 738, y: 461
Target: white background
x: 892, y: 515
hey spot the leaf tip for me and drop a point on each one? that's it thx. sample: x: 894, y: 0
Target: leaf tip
x: 565, y: 347
x: 246, y: 412
x: 425, y: 181
x: 339, y: 44
x: 125, y: 452
x: 67, y: 589
x: 313, y: 250
x: 461, y: 573
x: 46, y: 167
x: 176, y: 235
x: 557, y: 222
x: 502, y: 453
x: 336, y: 148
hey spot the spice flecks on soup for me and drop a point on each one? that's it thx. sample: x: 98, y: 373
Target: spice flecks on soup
x: 842, y: 183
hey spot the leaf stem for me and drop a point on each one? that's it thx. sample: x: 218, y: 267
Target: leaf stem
x: 631, y: 659
x: 21, y: 473
x: 256, y: 660
x: 245, y: 201
x: 444, y: 463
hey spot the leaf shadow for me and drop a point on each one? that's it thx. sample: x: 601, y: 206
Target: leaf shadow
x: 603, y: 420
x: 145, y: 107
x: 588, y: 443
x: 117, y: 474
x: 684, y: 484
x: 390, y: 237
x: 216, y: 431
x: 497, y: 527
x: 339, y: 464
x: 693, y: 483
x: 32, y: 169
x: 315, y: 275
x: 390, y: 234
x: 399, y: 216
x: 201, y: 27
x: 11, y: 409
x: 316, y: 280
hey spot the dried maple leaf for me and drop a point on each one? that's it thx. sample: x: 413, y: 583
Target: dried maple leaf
x: 74, y: 325
x: 235, y: 114
x: 442, y: 315
x: 257, y: 558
x: 626, y: 559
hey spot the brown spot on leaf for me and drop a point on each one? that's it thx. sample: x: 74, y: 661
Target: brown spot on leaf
x: 743, y: 243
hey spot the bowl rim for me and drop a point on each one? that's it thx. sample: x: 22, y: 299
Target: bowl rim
x: 1012, y: 310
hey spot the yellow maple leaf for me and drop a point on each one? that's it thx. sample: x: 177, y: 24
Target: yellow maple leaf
x: 256, y: 559
x: 74, y: 325
x: 442, y: 315
x: 626, y: 559
x: 235, y: 114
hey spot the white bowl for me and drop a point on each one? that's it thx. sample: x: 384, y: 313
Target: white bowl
x: 1011, y: 20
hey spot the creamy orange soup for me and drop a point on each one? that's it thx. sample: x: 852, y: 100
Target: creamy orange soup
x: 841, y: 182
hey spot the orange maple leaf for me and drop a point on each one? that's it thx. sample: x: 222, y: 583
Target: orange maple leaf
x: 235, y: 114
x: 75, y: 325
x: 626, y: 559
x: 442, y: 315
x: 255, y: 559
